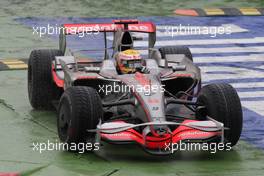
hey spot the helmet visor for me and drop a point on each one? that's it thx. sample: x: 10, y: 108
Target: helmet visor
x: 132, y: 63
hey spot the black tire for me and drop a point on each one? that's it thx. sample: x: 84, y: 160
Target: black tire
x: 80, y: 109
x: 41, y: 88
x: 176, y: 50
x: 223, y: 104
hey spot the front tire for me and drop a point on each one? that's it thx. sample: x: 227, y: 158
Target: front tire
x: 80, y: 109
x: 41, y: 88
x: 223, y: 104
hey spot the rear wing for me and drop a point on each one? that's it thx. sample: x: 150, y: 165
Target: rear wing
x: 126, y: 25
x: 130, y: 25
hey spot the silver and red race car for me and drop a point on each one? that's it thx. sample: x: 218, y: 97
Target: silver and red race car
x: 160, y: 104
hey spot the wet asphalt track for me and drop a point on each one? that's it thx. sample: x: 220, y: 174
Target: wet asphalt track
x: 21, y: 126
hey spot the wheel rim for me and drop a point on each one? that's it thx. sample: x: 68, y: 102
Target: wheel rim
x: 64, y: 122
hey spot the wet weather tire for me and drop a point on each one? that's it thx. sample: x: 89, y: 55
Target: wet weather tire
x: 41, y: 88
x: 176, y: 50
x: 223, y: 104
x: 80, y: 109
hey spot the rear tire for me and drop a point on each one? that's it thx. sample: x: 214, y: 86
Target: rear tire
x: 41, y: 88
x: 80, y: 109
x: 223, y: 104
x: 176, y: 50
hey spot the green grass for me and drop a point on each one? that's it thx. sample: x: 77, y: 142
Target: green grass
x: 106, y: 8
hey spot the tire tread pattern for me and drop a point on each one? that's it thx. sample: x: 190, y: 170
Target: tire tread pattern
x: 43, y: 90
x: 86, y: 110
x: 224, y: 105
x: 176, y: 50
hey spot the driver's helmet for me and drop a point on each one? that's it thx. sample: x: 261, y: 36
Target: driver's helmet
x: 128, y: 61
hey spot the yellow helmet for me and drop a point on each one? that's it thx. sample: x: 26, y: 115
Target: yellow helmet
x: 128, y: 61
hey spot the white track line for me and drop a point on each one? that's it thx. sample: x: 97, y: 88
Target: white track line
x: 222, y: 59
x: 227, y: 50
x: 220, y: 50
x: 252, y: 105
x: 262, y: 66
x: 202, y: 42
x: 248, y: 85
x: 255, y: 94
x: 239, y: 73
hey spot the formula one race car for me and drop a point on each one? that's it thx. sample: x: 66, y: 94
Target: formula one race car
x: 152, y: 100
